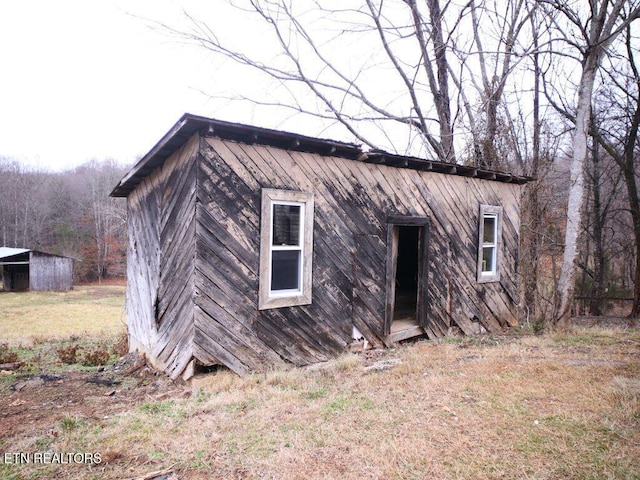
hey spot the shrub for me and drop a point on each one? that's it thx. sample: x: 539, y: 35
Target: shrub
x: 121, y: 346
x: 6, y: 356
x: 68, y: 355
x: 69, y: 423
x: 100, y: 356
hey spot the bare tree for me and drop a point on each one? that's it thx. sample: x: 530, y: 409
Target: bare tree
x: 104, y: 215
x: 589, y: 31
x: 23, y: 204
x: 617, y: 134
x: 503, y: 34
x: 5, y: 208
x: 603, y: 180
x: 532, y: 211
x: 401, y: 75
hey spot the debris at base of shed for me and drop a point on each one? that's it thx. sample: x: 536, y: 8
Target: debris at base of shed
x: 36, y: 381
x: 476, y: 327
x: 359, y: 343
x: 386, y: 364
x: 358, y: 347
x: 165, y: 474
x: 11, y: 366
x: 103, y: 381
x: 130, y: 363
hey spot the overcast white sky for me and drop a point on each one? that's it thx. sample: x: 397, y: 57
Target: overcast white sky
x: 91, y: 79
x: 84, y: 79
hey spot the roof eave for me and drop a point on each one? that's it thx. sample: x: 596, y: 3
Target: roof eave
x: 189, y: 124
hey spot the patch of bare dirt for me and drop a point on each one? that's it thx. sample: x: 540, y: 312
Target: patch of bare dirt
x: 39, y: 402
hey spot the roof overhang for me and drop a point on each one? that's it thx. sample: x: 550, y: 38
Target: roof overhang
x: 6, y: 252
x: 189, y: 124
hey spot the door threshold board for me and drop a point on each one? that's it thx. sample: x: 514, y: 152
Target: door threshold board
x: 413, y: 331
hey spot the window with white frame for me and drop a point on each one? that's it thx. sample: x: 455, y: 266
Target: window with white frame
x: 286, y: 248
x: 489, y: 244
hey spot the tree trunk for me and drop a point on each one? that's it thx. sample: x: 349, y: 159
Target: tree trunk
x: 626, y: 161
x: 566, y: 283
x: 634, y: 207
x: 597, y: 291
x: 438, y: 80
x: 629, y: 173
x: 531, y: 236
x: 441, y: 96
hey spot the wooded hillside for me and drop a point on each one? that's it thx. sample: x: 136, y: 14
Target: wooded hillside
x: 66, y: 213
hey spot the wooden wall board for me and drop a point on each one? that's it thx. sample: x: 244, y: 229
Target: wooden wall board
x: 204, y: 233
x: 50, y: 272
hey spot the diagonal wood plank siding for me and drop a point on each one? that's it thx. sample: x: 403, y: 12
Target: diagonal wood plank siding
x: 160, y: 262
x: 194, y: 246
x: 352, y: 203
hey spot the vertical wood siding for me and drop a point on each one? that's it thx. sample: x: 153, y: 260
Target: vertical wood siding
x: 49, y: 272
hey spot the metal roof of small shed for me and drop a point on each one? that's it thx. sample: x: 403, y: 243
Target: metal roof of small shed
x: 190, y: 124
x: 6, y: 252
x: 10, y: 252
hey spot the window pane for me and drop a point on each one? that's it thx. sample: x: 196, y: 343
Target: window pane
x: 487, y: 259
x: 285, y: 270
x: 489, y: 230
x: 286, y: 224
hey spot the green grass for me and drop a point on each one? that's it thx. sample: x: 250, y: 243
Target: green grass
x: 165, y: 408
x: 519, y: 406
x: 31, y: 317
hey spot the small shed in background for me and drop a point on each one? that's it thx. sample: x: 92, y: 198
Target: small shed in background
x: 25, y: 269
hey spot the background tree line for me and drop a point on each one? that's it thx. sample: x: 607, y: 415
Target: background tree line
x: 545, y: 88
x: 66, y: 213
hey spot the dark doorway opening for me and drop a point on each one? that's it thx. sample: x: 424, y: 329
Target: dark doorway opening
x: 406, y: 281
x: 407, y: 272
x: 15, y: 278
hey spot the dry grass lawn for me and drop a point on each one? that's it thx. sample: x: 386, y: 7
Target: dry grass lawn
x: 563, y: 406
x: 85, y: 310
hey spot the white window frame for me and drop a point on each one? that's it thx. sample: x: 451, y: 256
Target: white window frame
x: 268, y: 298
x: 483, y: 276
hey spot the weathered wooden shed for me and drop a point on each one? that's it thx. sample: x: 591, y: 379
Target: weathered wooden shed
x: 253, y: 248
x: 26, y: 269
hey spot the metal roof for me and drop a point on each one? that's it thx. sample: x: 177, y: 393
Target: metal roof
x: 190, y: 124
x: 6, y: 252
x: 10, y: 252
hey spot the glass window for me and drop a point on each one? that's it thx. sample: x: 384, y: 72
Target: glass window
x: 489, y: 247
x: 286, y: 224
x: 489, y: 243
x: 285, y: 270
x: 489, y: 235
x: 286, y: 248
